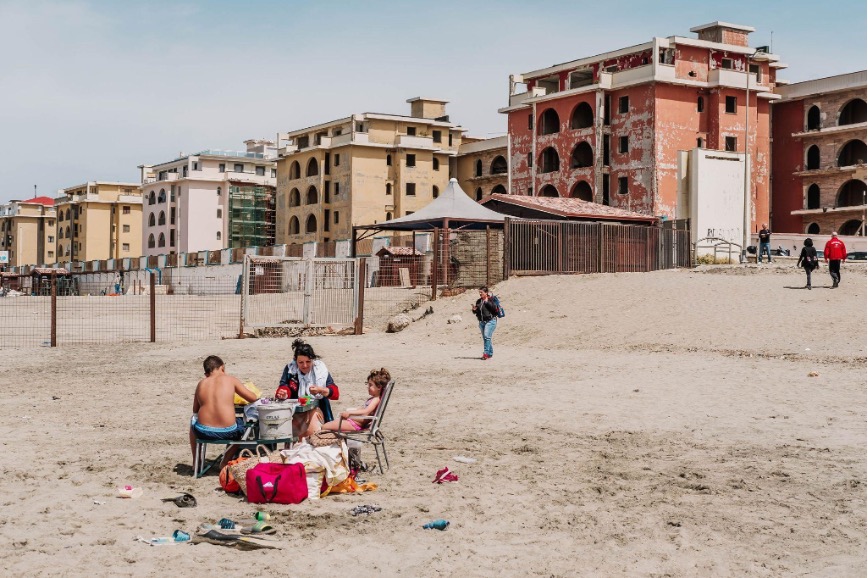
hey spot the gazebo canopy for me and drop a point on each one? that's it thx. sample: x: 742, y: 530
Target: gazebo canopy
x: 452, y: 209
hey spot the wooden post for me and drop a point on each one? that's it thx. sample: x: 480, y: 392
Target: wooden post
x: 507, y: 248
x: 487, y: 255
x: 54, y: 310
x: 359, y: 325
x: 153, y: 307
x: 353, y: 243
x: 435, y: 265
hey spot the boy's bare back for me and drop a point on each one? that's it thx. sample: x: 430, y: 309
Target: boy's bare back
x: 214, y: 399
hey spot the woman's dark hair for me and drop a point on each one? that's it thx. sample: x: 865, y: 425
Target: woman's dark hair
x: 484, y: 289
x: 808, y: 242
x: 299, y: 347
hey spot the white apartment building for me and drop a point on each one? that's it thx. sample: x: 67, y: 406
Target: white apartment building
x: 210, y: 200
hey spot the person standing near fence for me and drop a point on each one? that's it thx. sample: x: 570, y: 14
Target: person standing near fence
x: 765, y: 244
x: 486, y: 312
x: 834, y: 253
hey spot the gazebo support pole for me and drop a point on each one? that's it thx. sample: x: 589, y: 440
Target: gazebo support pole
x: 435, y: 264
x: 445, y: 254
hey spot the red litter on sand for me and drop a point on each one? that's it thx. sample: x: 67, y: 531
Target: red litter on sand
x: 445, y: 475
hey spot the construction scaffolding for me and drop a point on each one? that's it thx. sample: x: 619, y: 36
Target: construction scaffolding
x: 252, y: 215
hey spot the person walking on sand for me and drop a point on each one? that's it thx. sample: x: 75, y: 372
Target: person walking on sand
x: 486, y: 312
x: 808, y: 260
x: 835, y: 252
x: 765, y: 244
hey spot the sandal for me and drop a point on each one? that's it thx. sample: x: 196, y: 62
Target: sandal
x: 185, y: 500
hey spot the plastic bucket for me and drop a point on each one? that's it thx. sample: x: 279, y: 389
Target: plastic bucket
x: 275, y: 421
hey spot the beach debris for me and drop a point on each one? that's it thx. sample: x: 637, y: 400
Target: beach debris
x: 98, y: 502
x: 178, y: 537
x: 444, y: 475
x: 185, y: 500
x: 129, y: 492
x: 436, y: 525
x: 398, y: 323
x: 262, y: 516
x: 365, y: 509
x: 55, y: 397
x: 454, y: 319
x: 813, y: 374
x: 464, y: 459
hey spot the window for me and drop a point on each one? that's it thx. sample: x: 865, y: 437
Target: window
x: 162, y: 219
x: 151, y: 241
x: 388, y: 160
x: 327, y: 192
x: 478, y: 171
x: 152, y: 220
x: 624, y: 104
x: 260, y: 171
x: 388, y: 188
x: 172, y: 237
x: 726, y: 63
x: 411, y: 160
x: 126, y: 228
x: 450, y: 139
x: 411, y: 131
x: 273, y: 173
x: 622, y: 186
x: 623, y: 144
x: 51, y: 253
x: 219, y: 213
x: 699, y: 142
x: 700, y: 104
x: 172, y: 194
x: 337, y: 189
x: 219, y: 235
x: 171, y: 217
x: 219, y: 191
x: 162, y: 241
x: 195, y: 166
x: 411, y: 189
x: 436, y: 164
x: 435, y: 192
x: 326, y: 220
x: 221, y: 167
x: 238, y: 168
x: 731, y: 106
x: 51, y: 239
x: 731, y: 143
x: 530, y: 122
x: 337, y: 160
x: 529, y: 160
x: 388, y: 216
x: 184, y: 170
x: 337, y: 217
x: 436, y: 136
x: 126, y: 247
x: 360, y: 127
x: 152, y: 198
x: 479, y: 194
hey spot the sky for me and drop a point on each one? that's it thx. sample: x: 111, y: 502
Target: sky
x: 90, y: 90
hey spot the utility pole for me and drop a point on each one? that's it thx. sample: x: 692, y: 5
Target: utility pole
x: 747, y: 187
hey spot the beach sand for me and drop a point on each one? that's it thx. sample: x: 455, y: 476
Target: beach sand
x: 646, y: 424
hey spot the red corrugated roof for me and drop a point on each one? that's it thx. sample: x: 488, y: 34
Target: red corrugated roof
x: 570, y: 207
x: 47, y: 201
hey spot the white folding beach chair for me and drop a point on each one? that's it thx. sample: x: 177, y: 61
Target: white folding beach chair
x: 373, y: 434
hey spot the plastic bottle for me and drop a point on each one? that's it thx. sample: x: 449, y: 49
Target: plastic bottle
x: 436, y: 525
x: 180, y: 536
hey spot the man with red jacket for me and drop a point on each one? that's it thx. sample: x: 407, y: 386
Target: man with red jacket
x: 834, y: 253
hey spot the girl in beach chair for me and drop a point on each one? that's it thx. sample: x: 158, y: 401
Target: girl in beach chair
x: 355, y: 419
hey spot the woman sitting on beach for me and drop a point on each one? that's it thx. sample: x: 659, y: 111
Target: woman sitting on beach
x: 307, y: 376
x: 377, y: 381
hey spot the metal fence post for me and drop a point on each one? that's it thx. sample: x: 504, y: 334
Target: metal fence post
x: 245, y: 287
x: 361, y: 281
x: 54, y: 310
x: 507, y: 250
x: 153, y: 307
x: 435, y: 265
x: 308, y: 292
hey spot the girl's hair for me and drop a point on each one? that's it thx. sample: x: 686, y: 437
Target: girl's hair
x: 380, y: 377
x: 299, y: 347
x: 484, y: 289
x: 808, y: 242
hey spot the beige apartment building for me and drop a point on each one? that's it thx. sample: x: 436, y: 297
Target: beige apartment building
x: 27, y: 232
x: 209, y: 200
x: 99, y: 220
x: 363, y: 169
x: 483, y: 168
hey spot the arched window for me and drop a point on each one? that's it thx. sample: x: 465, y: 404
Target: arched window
x: 161, y: 198
x: 813, y: 118
x: 219, y: 235
x: 813, y: 229
x: 479, y: 194
x: 152, y: 220
x: 151, y: 242
x: 498, y: 166
x: 549, y: 191
x: 853, y: 227
x: 435, y: 191
x: 853, y: 112
x: 67, y: 233
x: 152, y: 198
x: 312, y: 168
x: 388, y: 188
x: 162, y: 219
x: 851, y: 194
x: 67, y: 251
x: 312, y: 196
x: 60, y: 233
x: 294, y: 198
x: 813, y: 158
x: 550, y: 122
x: 435, y: 163
x: 549, y: 161
x: 700, y: 104
x: 853, y: 153
x: 310, y: 225
x: 162, y: 241
x: 388, y: 216
x: 219, y: 191
x: 813, y: 197
x: 295, y: 170
x: 583, y: 191
x: 583, y: 156
x: 293, y: 226
x: 498, y: 190
x: 478, y: 171
x: 388, y: 160
x: 67, y: 213
x: 583, y: 116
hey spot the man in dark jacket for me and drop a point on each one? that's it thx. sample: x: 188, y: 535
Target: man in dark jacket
x: 765, y: 244
x: 834, y: 253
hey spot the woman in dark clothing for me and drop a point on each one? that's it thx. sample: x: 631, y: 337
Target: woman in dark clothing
x: 808, y: 260
x: 486, y: 312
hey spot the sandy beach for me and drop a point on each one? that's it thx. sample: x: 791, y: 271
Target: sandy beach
x: 644, y: 424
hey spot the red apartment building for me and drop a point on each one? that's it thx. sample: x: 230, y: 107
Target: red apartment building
x: 608, y: 128
x: 818, y: 160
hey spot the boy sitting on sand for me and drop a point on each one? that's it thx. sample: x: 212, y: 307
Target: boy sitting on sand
x: 214, y: 407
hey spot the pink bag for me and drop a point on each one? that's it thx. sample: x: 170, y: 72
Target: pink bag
x: 276, y: 483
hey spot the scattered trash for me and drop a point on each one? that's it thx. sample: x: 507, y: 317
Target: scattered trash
x: 365, y: 509
x: 185, y: 500
x: 445, y: 475
x: 226, y: 524
x: 55, y: 397
x: 180, y: 536
x: 129, y: 492
x: 436, y: 525
x: 98, y: 502
x: 262, y: 516
x: 464, y: 459
x: 813, y: 374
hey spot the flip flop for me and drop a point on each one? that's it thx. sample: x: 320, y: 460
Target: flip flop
x: 185, y: 500
x: 233, y: 541
x: 259, y: 528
